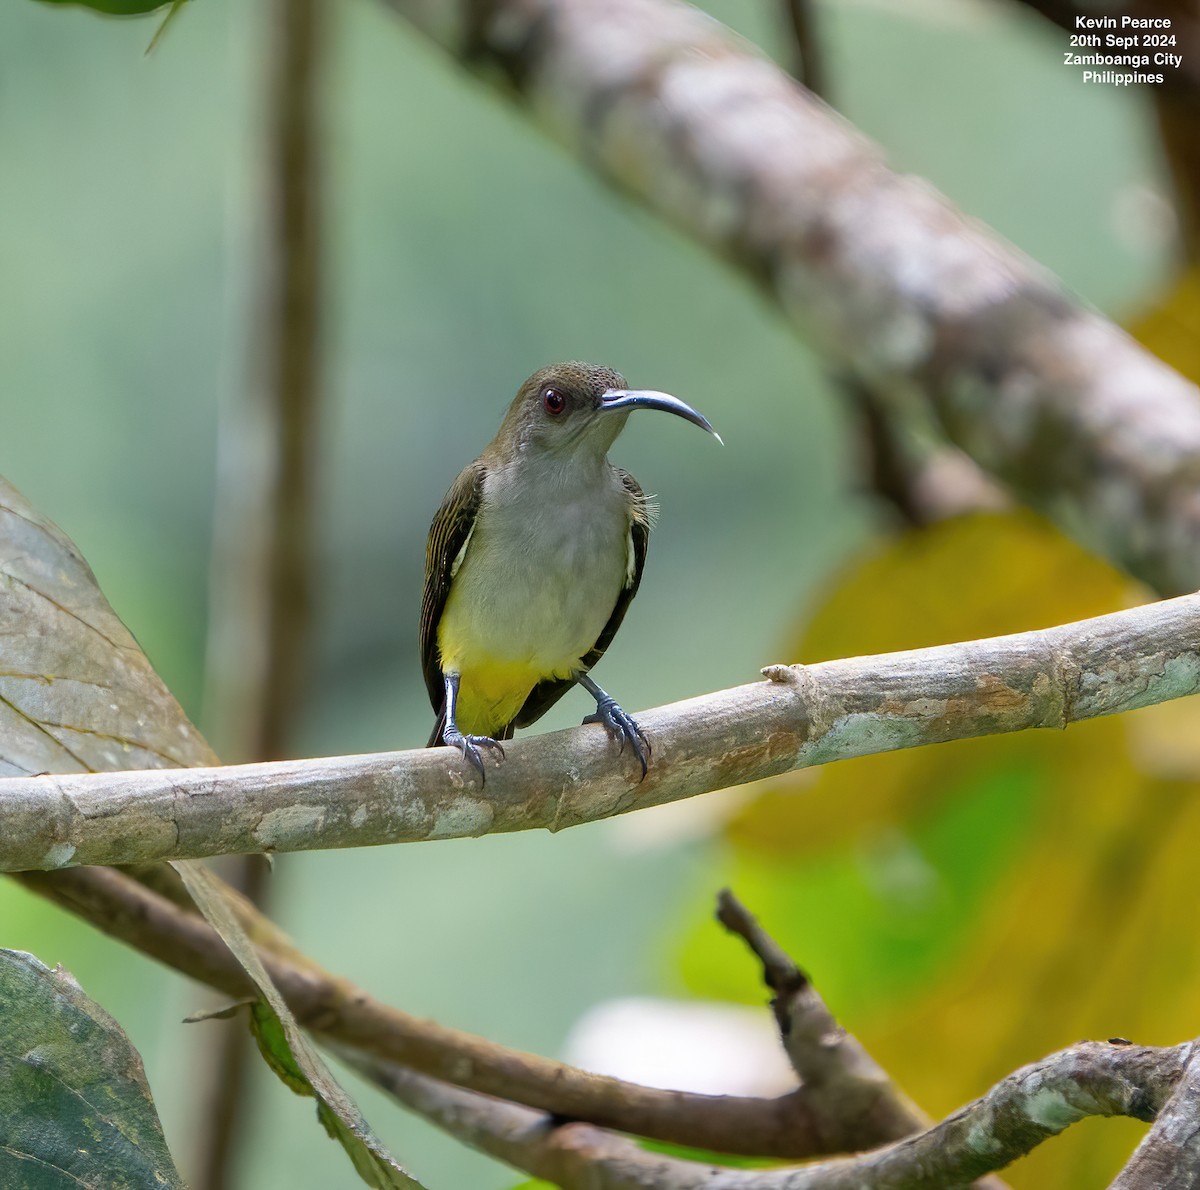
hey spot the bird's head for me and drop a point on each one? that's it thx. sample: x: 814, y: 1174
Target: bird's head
x: 569, y: 408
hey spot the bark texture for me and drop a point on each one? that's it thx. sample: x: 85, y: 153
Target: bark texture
x: 800, y: 717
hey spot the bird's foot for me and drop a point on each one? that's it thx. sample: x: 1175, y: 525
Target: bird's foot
x: 469, y: 746
x: 623, y: 728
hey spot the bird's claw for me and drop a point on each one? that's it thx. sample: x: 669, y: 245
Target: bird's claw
x: 624, y: 729
x: 469, y: 746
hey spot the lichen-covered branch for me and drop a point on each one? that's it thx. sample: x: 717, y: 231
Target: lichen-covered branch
x: 1169, y: 1156
x: 828, y: 1061
x: 878, y: 270
x: 1035, y: 1103
x: 802, y: 716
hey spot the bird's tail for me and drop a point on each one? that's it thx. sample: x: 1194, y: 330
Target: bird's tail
x: 435, y: 738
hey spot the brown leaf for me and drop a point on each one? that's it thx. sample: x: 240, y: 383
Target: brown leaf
x: 76, y: 692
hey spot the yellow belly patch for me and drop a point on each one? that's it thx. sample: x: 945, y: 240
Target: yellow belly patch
x: 491, y: 690
x: 491, y: 693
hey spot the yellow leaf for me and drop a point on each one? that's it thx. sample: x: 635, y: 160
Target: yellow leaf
x: 1171, y: 328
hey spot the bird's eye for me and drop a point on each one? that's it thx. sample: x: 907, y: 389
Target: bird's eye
x: 553, y: 401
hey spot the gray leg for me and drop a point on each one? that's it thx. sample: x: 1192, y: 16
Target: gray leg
x: 468, y: 745
x: 619, y: 725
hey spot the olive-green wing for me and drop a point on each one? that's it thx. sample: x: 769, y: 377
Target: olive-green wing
x: 545, y: 694
x: 452, y: 525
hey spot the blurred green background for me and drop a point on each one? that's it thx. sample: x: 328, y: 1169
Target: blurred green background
x: 465, y: 251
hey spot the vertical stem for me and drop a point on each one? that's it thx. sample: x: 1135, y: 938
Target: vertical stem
x: 809, y: 62
x: 261, y: 585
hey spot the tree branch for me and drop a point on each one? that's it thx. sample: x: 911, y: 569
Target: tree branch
x: 922, y: 481
x: 1169, y: 1156
x: 1037, y: 1102
x: 829, y: 1061
x: 809, y: 67
x: 1089, y: 1079
x: 876, y: 269
x: 791, y: 1125
x: 802, y: 716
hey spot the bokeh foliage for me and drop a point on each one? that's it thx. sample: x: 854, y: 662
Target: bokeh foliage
x: 973, y: 906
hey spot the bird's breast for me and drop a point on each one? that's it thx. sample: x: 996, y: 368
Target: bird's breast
x: 540, y: 577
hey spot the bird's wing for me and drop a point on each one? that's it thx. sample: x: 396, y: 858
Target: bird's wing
x: 545, y: 694
x: 452, y: 525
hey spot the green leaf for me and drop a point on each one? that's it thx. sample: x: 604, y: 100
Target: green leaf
x: 75, y: 1109
x: 119, y: 8
x: 285, y: 1047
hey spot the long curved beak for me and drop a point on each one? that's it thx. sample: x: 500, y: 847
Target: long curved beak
x: 648, y: 398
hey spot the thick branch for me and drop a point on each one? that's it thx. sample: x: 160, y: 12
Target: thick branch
x: 877, y: 269
x: 803, y: 716
x: 1169, y: 1156
x: 1038, y: 1101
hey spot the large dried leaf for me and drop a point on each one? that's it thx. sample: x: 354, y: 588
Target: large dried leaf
x: 75, y: 1110
x: 960, y: 580
x: 76, y: 692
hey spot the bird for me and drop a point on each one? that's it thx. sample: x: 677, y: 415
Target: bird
x: 532, y: 561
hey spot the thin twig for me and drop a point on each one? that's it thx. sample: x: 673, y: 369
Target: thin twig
x: 923, y: 482
x: 803, y: 716
x: 825, y: 1057
x: 262, y: 553
x: 845, y: 1080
